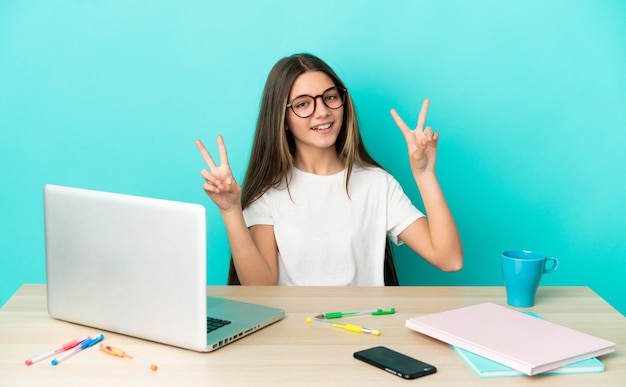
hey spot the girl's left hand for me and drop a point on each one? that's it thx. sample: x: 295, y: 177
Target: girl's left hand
x: 421, y: 143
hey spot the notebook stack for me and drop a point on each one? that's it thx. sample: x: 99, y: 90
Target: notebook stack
x: 523, y: 343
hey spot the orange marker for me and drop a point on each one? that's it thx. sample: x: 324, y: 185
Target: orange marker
x: 119, y: 353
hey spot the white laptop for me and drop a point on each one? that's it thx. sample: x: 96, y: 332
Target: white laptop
x: 137, y: 266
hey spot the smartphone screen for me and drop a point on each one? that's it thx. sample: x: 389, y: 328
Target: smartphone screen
x: 394, y: 362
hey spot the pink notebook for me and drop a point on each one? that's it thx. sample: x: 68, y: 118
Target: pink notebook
x: 522, y: 342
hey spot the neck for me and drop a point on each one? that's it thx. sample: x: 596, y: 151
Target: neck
x: 324, y: 162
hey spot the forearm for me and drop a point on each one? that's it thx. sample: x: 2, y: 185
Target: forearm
x: 251, y: 266
x: 445, y: 242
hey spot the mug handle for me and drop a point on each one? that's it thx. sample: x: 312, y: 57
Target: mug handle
x: 552, y: 269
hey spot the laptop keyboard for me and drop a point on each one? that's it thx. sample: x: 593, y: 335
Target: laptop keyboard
x: 213, y: 323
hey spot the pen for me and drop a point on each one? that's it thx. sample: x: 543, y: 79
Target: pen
x: 85, y: 344
x: 373, y: 312
x: 119, y: 353
x: 348, y: 327
x: 67, y: 346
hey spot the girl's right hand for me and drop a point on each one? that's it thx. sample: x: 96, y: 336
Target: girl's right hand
x: 219, y: 184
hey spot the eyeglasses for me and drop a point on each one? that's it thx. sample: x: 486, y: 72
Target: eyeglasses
x: 304, y: 105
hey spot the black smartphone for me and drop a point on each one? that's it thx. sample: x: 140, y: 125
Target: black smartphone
x: 395, y: 363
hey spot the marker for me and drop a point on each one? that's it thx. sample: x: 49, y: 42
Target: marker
x: 65, y: 347
x: 373, y: 312
x: 348, y: 327
x: 85, y: 344
x: 120, y: 353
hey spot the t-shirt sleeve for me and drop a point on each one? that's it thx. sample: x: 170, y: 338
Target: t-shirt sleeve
x: 401, y: 212
x: 258, y: 212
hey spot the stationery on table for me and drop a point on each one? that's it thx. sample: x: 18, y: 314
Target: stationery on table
x: 373, y: 312
x: 120, y: 353
x: 320, y: 319
x: 486, y: 368
x: 524, y: 343
x: 90, y: 342
x: 62, y: 348
x: 348, y: 327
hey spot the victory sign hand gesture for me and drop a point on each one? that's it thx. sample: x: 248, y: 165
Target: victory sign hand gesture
x: 219, y: 183
x: 421, y: 143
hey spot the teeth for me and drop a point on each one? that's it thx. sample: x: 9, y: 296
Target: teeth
x: 321, y: 127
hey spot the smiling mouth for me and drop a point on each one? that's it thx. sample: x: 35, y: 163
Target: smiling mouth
x: 321, y: 128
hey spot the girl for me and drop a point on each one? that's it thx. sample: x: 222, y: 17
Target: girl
x: 315, y: 207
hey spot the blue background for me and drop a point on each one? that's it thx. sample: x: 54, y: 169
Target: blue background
x: 529, y: 97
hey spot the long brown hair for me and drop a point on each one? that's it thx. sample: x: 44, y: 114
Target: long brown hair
x: 274, y: 149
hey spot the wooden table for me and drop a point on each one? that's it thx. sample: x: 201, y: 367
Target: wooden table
x: 292, y: 352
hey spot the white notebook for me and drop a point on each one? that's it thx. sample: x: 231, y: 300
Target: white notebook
x: 522, y: 342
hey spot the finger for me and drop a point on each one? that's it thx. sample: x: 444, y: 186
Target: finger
x: 222, y: 149
x: 216, y: 182
x: 205, y: 155
x: 428, y: 132
x: 211, y: 184
x: 419, y: 152
x: 215, y: 186
x: 224, y: 158
x: 210, y: 188
x: 400, y: 122
x: 421, y: 119
x: 208, y: 176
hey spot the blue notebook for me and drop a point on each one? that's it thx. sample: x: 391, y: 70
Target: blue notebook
x: 486, y: 368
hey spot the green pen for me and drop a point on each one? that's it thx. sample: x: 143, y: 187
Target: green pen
x: 373, y: 312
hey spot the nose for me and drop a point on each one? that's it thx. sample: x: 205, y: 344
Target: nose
x: 324, y: 109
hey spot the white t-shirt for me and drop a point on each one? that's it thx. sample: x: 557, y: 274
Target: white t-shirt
x: 326, y: 237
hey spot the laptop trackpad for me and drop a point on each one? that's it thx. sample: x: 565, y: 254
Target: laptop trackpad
x: 212, y: 302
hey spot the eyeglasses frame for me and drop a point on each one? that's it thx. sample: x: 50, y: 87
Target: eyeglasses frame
x: 340, y: 89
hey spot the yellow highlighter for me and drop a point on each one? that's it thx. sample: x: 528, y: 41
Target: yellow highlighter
x: 348, y: 327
